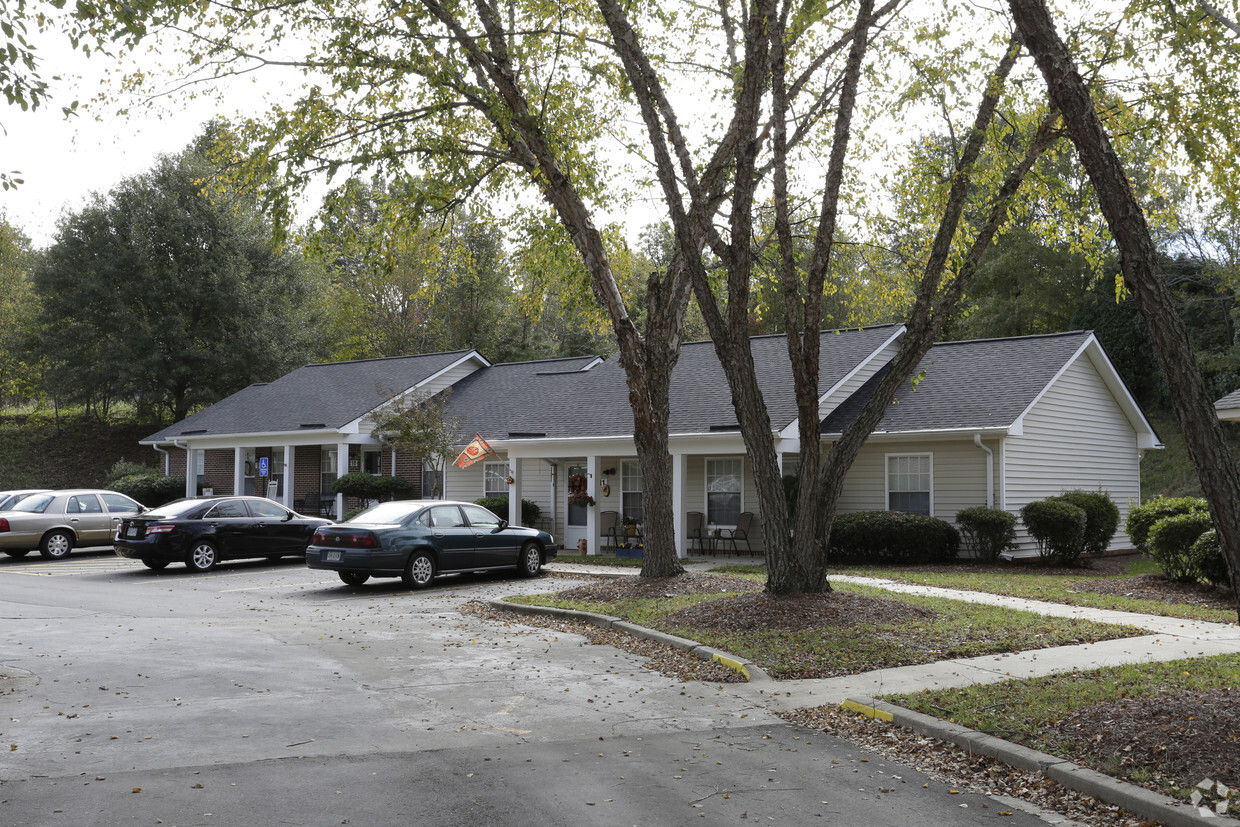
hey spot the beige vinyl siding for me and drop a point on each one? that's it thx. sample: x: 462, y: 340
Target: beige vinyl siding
x: 958, y: 475
x: 1074, y: 437
x: 463, y: 483
x: 450, y: 378
x: 853, y: 383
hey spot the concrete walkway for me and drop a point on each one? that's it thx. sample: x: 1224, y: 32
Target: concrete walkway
x: 1170, y: 639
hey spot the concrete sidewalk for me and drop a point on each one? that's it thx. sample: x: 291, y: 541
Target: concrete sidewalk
x: 1170, y: 639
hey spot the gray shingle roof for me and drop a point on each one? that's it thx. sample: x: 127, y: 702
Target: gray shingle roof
x: 1231, y: 400
x: 538, y: 399
x: 326, y: 395
x: 985, y: 383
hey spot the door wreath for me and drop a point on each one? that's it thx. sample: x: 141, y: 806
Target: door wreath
x: 577, y: 491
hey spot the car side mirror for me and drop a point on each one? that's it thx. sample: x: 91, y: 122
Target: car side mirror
x: 288, y: 515
x: 503, y: 524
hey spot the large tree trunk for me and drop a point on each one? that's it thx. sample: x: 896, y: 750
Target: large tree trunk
x: 647, y: 361
x: 1193, y: 407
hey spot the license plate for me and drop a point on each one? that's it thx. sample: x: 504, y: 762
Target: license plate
x: 333, y: 556
x: 132, y: 531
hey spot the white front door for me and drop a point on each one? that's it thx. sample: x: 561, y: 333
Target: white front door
x: 575, y: 519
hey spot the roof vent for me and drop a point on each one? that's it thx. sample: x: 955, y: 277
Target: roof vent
x: 191, y: 433
x: 312, y: 425
x: 714, y: 428
x: 525, y: 435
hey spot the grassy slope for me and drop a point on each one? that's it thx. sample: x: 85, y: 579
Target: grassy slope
x: 1170, y: 472
x: 35, y: 453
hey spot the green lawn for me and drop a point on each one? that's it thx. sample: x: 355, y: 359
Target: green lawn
x: 956, y: 630
x: 1027, y: 712
x: 1051, y: 586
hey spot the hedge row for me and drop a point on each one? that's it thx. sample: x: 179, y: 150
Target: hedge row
x: 892, y: 537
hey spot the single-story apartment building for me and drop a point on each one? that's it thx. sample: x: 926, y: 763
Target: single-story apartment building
x: 997, y: 422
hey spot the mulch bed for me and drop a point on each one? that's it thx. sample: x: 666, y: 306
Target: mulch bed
x: 1177, y: 738
x: 1156, y: 587
x: 751, y: 608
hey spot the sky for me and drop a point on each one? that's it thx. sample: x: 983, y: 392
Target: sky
x: 62, y: 162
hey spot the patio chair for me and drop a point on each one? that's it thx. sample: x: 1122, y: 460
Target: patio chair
x: 741, y: 532
x: 610, y: 528
x: 316, y: 503
x: 695, y: 527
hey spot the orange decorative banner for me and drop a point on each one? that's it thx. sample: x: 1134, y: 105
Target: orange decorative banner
x: 474, y: 451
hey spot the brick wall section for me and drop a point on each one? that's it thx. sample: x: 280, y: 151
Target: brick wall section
x: 409, y: 467
x: 176, y: 462
x: 306, y: 459
x: 218, y: 471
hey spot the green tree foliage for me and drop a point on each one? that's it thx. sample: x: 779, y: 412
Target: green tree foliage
x: 405, y: 282
x: 19, y: 309
x: 169, y: 292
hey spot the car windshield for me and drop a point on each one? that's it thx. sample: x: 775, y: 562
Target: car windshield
x: 178, y: 508
x: 382, y: 513
x: 34, y: 504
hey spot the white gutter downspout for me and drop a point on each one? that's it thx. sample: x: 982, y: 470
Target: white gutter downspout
x: 990, y: 471
x: 167, y: 460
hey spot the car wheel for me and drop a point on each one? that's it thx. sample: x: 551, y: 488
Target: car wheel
x: 56, y: 545
x: 17, y: 552
x: 155, y: 564
x: 354, y: 578
x: 202, y: 556
x: 530, y: 562
x: 420, y: 571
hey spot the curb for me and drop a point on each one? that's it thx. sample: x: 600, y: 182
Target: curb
x: 1145, y: 803
x: 752, y: 673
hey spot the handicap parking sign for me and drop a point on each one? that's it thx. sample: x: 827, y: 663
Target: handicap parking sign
x: 262, y: 466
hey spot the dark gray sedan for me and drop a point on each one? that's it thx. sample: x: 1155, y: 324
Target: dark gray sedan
x: 416, y: 540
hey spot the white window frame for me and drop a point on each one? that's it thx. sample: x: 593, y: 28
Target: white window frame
x: 488, y: 473
x: 625, y: 480
x: 706, y: 487
x: 887, y: 458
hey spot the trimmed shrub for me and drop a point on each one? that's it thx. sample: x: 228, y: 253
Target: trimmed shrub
x: 1058, y: 527
x: 1101, y: 518
x: 496, y: 505
x: 126, y: 468
x: 1141, y: 518
x: 892, y: 537
x: 366, y: 486
x: 150, y: 488
x: 986, y: 531
x: 530, y: 510
x: 1170, y: 542
x: 394, y: 488
x: 1206, y: 556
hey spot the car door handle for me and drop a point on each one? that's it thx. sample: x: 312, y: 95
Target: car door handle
x: 73, y: 519
x: 438, y: 533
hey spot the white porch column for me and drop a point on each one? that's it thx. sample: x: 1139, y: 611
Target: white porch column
x: 591, y: 513
x: 514, y: 491
x: 680, y: 473
x: 342, y: 468
x: 286, y: 492
x: 238, y: 471
x: 191, y: 472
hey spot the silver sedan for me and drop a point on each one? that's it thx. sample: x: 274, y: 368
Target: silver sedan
x: 56, y: 521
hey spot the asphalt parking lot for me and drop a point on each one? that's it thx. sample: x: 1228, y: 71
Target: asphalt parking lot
x: 269, y: 693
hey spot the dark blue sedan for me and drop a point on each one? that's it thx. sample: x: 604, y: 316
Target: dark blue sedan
x: 416, y: 540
